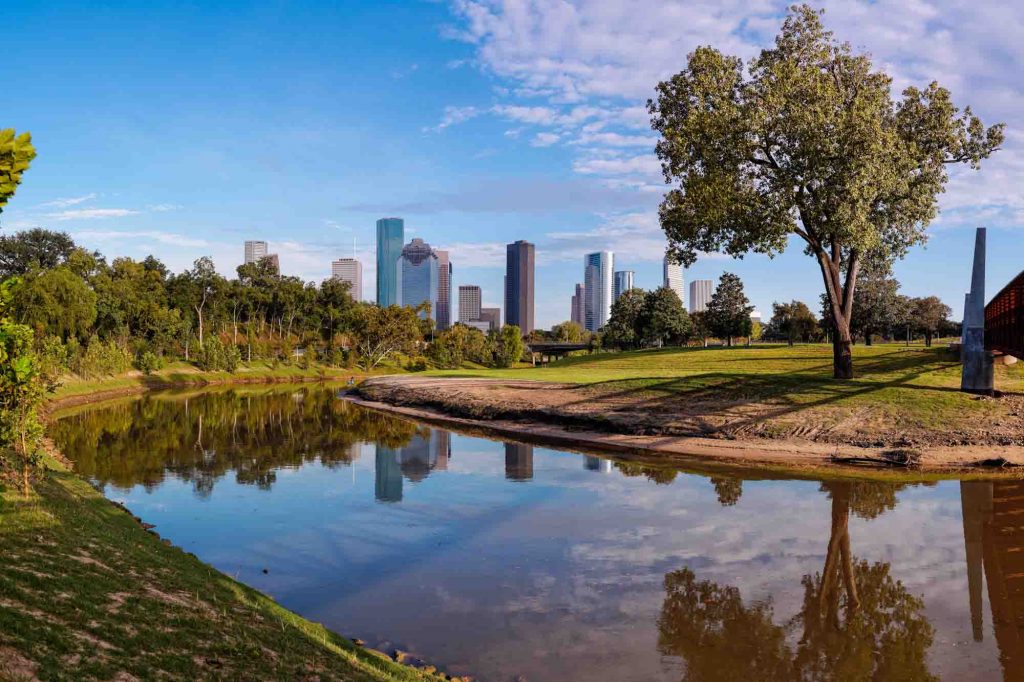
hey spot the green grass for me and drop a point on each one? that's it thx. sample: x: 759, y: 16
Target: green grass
x: 905, y: 387
x: 87, y: 594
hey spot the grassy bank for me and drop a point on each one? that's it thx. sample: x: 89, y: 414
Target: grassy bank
x: 779, y: 391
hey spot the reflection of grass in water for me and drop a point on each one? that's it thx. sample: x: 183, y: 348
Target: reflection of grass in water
x: 87, y: 594
x: 914, y: 387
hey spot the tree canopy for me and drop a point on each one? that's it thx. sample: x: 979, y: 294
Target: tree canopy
x: 728, y: 312
x: 807, y: 140
x: 16, y: 154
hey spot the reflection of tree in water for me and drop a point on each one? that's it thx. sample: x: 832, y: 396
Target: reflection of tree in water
x: 728, y: 490
x: 856, y: 621
x: 660, y: 475
x: 200, y: 439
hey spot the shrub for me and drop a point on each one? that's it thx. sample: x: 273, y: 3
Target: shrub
x: 417, y: 364
x: 53, y: 358
x: 149, y: 362
x: 216, y: 356
x: 103, y: 358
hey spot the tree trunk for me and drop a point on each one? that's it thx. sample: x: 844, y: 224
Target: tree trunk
x: 928, y: 339
x: 840, y: 296
x: 867, y: 338
x: 791, y: 341
x: 842, y: 355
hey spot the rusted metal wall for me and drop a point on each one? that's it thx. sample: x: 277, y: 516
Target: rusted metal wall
x: 1004, y: 319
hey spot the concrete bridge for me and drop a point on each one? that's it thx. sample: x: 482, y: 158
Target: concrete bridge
x: 552, y: 351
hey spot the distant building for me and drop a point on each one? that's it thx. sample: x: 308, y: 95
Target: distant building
x: 418, y: 275
x: 755, y: 316
x: 623, y: 283
x: 443, y: 307
x: 700, y: 294
x: 387, y: 476
x: 597, y: 283
x: 349, y: 270
x: 482, y: 325
x: 600, y: 464
x: 519, y: 266
x: 518, y: 461
x: 275, y: 262
x: 672, y: 278
x: 470, y: 299
x: 492, y: 316
x: 390, y: 237
x: 578, y: 310
x: 255, y: 251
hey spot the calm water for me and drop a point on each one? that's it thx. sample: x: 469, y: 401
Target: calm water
x: 503, y: 559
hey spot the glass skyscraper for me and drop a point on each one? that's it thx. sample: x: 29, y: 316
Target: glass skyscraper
x: 597, y: 283
x: 390, y: 237
x: 519, y: 262
x: 623, y: 283
x: 418, y: 275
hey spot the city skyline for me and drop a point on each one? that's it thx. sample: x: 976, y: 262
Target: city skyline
x: 598, y: 269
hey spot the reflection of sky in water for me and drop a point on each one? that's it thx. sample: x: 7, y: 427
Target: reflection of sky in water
x: 500, y: 560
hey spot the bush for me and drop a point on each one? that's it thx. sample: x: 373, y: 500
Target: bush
x: 149, y: 362
x: 417, y: 364
x: 103, y: 358
x: 216, y: 356
x: 53, y: 358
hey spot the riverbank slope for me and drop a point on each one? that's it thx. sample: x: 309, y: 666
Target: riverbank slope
x: 771, y: 403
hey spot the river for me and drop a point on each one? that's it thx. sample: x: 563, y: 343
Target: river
x: 511, y: 561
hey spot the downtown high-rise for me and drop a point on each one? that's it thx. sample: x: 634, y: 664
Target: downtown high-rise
x: 623, y: 283
x: 443, y: 305
x: 349, y: 270
x: 417, y: 275
x: 255, y: 251
x: 470, y: 300
x: 519, y: 266
x: 578, y: 307
x: 700, y: 294
x: 390, y: 238
x: 672, y: 278
x: 597, y: 282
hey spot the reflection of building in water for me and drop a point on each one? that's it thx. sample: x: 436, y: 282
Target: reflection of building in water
x: 388, y: 476
x: 993, y: 514
x: 597, y: 464
x: 425, y: 453
x: 518, y: 461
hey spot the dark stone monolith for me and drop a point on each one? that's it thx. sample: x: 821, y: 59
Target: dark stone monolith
x: 977, y: 362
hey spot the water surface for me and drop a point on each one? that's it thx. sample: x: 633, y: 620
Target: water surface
x: 505, y: 559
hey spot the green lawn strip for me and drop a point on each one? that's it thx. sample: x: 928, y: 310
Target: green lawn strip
x: 86, y: 594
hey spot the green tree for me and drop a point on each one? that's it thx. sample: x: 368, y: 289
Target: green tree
x: 56, y: 302
x: 16, y: 154
x: 197, y: 291
x: 335, y: 304
x: 928, y: 316
x: 509, y: 347
x: 457, y: 345
x: 701, y: 326
x: 793, y: 321
x: 807, y: 140
x: 568, y: 332
x: 877, y: 304
x: 623, y: 329
x: 729, y: 310
x: 663, y: 321
x: 382, y: 333
x: 34, y: 249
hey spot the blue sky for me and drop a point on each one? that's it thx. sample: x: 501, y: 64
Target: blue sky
x: 182, y: 129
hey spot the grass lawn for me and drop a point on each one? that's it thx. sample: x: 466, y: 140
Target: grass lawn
x: 87, y: 594
x: 896, y: 387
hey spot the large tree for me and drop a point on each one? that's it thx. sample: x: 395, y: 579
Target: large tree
x: 623, y: 329
x: 729, y: 310
x: 792, y: 321
x: 664, y: 320
x: 929, y: 315
x: 28, y: 250
x: 16, y: 153
x: 808, y: 141
x: 56, y: 302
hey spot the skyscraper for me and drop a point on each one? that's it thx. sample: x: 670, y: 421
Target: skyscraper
x: 470, y: 298
x: 519, y: 264
x: 597, y: 282
x: 349, y: 270
x: 578, y: 313
x: 672, y: 278
x: 623, y: 283
x: 418, y: 275
x: 700, y: 294
x: 390, y: 237
x: 275, y: 262
x: 254, y: 251
x: 443, y: 307
x: 492, y: 316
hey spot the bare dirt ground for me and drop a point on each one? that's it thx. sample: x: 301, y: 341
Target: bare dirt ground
x: 731, y: 429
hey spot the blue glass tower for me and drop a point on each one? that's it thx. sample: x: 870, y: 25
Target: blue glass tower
x: 390, y: 238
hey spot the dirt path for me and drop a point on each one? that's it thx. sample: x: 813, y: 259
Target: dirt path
x: 565, y: 414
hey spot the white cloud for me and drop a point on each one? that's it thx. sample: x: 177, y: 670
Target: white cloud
x: 544, y: 139
x: 168, y: 238
x: 163, y: 208
x: 452, y: 116
x: 90, y: 214
x: 647, y: 165
x: 69, y: 201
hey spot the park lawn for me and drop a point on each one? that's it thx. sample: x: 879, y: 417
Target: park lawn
x: 87, y: 594
x: 896, y: 387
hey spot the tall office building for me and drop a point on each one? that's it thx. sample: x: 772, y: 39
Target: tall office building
x: 578, y: 313
x: 387, y: 483
x: 700, y: 294
x: 672, y: 278
x: 492, y: 316
x: 597, y: 283
x: 390, y: 237
x: 349, y: 270
x: 470, y: 299
x: 418, y: 275
x: 443, y: 307
x: 623, y: 283
x: 254, y: 251
x: 519, y: 262
x: 275, y: 262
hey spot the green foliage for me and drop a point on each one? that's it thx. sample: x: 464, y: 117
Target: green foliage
x: 664, y: 320
x: 57, y: 302
x: 417, y: 363
x: 806, y: 139
x: 928, y: 316
x: 16, y: 154
x: 509, y: 346
x: 568, y: 332
x: 102, y: 358
x: 149, y: 362
x: 728, y: 313
x: 792, y: 322
x: 215, y: 356
x: 54, y: 357
x: 624, y: 326
x: 383, y: 333
x: 459, y: 344
x: 35, y: 249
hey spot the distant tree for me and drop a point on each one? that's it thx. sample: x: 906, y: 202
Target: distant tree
x: 663, y: 320
x: 335, y: 305
x: 198, y: 291
x: 793, y: 321
x: 568, y: 332
x: 459, y: 344
x: 56, y: 302
x: 877, y: 304
x: 35, y: 249
x: 701, y: 326
x: 756, y: 330
x: 729, y: 310
x: 509, y: 347
x: 16, y: 154
x: 728, y: 489
x: 382, y: 333
x: 623, y: 329
x: 806, y: 139
x: 928, y: 316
